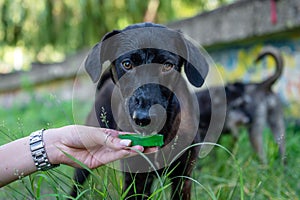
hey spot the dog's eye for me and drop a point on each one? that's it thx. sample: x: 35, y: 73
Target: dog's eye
x: 127, y: 64
x: 167, y: 66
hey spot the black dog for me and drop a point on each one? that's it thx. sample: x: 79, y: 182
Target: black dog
x: 251, y: 105
x: 143, y: 91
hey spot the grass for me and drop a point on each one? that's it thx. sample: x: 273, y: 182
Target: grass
x: 228, y: 172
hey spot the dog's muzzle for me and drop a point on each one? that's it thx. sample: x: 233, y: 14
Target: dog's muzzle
x: 147, y: 108
x: 141, y: 118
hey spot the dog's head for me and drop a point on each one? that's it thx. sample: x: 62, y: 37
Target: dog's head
x: 145, y: 61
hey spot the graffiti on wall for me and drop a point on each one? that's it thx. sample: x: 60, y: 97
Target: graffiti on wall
x: 237, y: 63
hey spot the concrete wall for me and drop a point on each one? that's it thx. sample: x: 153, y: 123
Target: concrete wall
x: 243, y: 20
x: 233, y: 36
x: 64, y: 81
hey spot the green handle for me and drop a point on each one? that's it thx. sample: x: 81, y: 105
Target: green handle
x: 145, y: 141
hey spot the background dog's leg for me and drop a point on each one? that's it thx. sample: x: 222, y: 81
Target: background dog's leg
x: 276, y: 124
x: 235, y: 133
x: 256, y: 130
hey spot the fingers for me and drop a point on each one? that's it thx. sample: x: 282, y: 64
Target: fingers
x: 125, y: 143
x: 112, y: 141
x: 151, y: 150
x: 117, y: 155
x: 108, y: 138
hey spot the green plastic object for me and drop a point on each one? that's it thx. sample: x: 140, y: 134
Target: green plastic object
x: 155, y: 140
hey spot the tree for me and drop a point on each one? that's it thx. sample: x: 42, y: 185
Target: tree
x: 66, y: 26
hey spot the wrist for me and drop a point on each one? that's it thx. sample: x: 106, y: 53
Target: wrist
x: 52, y: 140
x: 42, y: 155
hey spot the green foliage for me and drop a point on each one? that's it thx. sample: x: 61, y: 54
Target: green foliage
x: 40, y: 112
x: 46, y: 30
x: 229, y: 172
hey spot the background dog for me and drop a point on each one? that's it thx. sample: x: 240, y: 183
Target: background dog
x: 145, y: 65
x: 249, y: 104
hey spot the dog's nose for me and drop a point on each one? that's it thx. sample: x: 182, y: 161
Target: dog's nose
x: 141, y: 118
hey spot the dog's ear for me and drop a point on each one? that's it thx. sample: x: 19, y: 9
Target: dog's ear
x: 196, y: 66
x: 93, y: 62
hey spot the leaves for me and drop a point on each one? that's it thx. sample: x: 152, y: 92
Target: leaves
x: 70, y: 25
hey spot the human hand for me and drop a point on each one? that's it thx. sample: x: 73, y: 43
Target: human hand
x: 90, y: 145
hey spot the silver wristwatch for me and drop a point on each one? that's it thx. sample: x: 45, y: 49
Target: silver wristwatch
x: 38, y: 152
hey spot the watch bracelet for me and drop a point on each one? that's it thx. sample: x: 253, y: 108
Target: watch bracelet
x: 38, y: 152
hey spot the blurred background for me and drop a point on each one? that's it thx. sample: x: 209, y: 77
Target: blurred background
x: 49, y: 30
x: 56, y: 36
x: 42, y: 84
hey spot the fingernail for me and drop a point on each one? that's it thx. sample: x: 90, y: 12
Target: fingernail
x: 138, y: 148
x: 125, y: 142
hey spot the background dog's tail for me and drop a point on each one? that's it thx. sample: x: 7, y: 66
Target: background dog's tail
x: 276, y: 54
